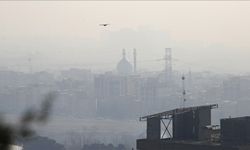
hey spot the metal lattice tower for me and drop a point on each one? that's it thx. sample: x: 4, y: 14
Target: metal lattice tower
x: 168, y: 63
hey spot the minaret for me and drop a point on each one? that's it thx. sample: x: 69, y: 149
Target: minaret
x: 135, y: 64
x: 124, y: 53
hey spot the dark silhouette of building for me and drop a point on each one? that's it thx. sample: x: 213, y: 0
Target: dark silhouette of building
x: 190, y: 128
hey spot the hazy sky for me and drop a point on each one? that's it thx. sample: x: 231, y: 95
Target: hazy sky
x: 203, y: 35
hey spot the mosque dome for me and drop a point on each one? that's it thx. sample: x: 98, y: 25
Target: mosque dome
x: 124, y: 67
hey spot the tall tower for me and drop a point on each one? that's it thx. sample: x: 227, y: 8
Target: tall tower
x: 123, y: 53
x: 168, y: 63
x: 135, y: 63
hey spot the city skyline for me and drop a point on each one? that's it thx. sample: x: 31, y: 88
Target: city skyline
x: 204, y: 36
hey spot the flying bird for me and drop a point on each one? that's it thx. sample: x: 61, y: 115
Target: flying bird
x: 104, y: 24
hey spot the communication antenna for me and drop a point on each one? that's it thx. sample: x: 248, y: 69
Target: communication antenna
x: 183, y: 91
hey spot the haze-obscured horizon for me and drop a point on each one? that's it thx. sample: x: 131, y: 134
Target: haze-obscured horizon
x: 204, y: 36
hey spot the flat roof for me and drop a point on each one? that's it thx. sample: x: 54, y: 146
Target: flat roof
x: 170, y: 113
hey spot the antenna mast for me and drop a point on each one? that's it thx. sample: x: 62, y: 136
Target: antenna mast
x: 183, y: 91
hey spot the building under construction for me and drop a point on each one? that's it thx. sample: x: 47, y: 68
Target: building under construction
x: 190, y: 128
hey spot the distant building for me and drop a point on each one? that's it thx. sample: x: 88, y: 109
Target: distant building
x: 77, y: 74
x: 124, y: 67
x: 41, y: 143
x: 115, y: 86
x: 117, y: 93
x: 237, y: 88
